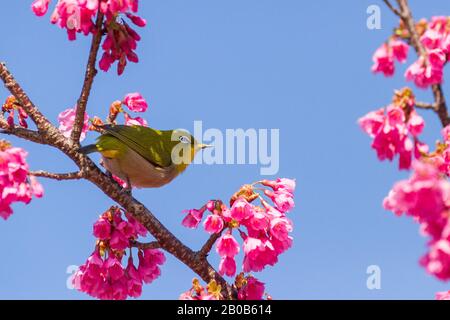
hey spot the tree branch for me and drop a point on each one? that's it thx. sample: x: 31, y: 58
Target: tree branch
x: 149, y: 245
x: 20, y: 132
x: 393, y: 9
x: 406, y: 16
x: 57, y: 176
x: 91, y: 71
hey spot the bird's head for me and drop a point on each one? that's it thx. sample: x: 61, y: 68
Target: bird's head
x: 184, y: 147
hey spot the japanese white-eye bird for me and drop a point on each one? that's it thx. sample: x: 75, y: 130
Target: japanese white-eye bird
x: 144, y: 157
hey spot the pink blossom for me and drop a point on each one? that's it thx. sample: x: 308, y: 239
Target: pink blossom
x: 14, y: 183
x: 280, y: 228
x: 227, y: 266
x: 240, y: 210
x: 40, y: 7
x: 227, y: 246
x: 193, y: 218
x: 252, y: 290
x: 446, y: 133
x: 258, y: 221
x: 138, y: 227
x: 114, y: 268
x: 149, y: 262
x: 415, y: 123
x: 137, y: 121
x: 127, y: 229
x: 391, y: 132
x: 399, y: 50
x: 66, y: 121
x: 385, y: 55
x: 36, y: 187
x: 444, y: 295
x: 118, y: 240
x: 427, y: 71
x: 134, y: 282
x: 422, y: 196
x: 285, y: 184
x: 135, y: 102
x: 138, y: 21
x: 437, y: 260
x: 258, y: 254
x: 213, y: 223
x: 431, y: 39
x: 383, y: 61
x: 283, y: 200
x: 102, y: 229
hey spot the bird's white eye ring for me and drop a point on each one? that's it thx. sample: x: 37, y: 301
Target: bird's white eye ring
x: 184, y: 139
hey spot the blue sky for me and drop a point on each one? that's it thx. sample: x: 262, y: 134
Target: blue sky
x: 300, y: 66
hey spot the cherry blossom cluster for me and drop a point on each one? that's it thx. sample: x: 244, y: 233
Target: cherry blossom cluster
x: 10, y: 107
x: 425, y: 196
x: 133, y: 101
x: 385, y: 56
x: 77, y: 16
x: 15, y: 183
x: 103, y: 275
x: 395, y: 129
x: 267, y: 228
x: 428, y: 68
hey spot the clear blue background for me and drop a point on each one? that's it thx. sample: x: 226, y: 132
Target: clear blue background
x: 301, y: 66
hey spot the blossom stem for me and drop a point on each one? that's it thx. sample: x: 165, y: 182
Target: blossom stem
x: 91, y: 71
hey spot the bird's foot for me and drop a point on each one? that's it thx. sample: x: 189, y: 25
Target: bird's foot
x: 127, y: 190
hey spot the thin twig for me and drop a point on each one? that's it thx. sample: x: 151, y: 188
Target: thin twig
x: 23, y: 133
x: 393, y: 9
x: 57, y: 176
x: 91, y: 71
x: 149, y: 245
x: 425, y: 105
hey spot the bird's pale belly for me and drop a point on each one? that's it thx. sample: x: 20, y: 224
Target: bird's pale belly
x: 139, y: 171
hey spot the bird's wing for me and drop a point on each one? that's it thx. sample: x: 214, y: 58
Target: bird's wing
x: 147, y: 142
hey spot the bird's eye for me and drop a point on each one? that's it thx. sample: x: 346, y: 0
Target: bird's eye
x: 184, y: 139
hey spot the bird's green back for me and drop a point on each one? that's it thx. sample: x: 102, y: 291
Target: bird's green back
x: 153, y: 145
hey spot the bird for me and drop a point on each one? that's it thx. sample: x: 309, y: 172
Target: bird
x: 144, y: 157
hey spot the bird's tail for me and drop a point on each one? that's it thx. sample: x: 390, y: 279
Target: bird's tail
x: 88, y: 149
